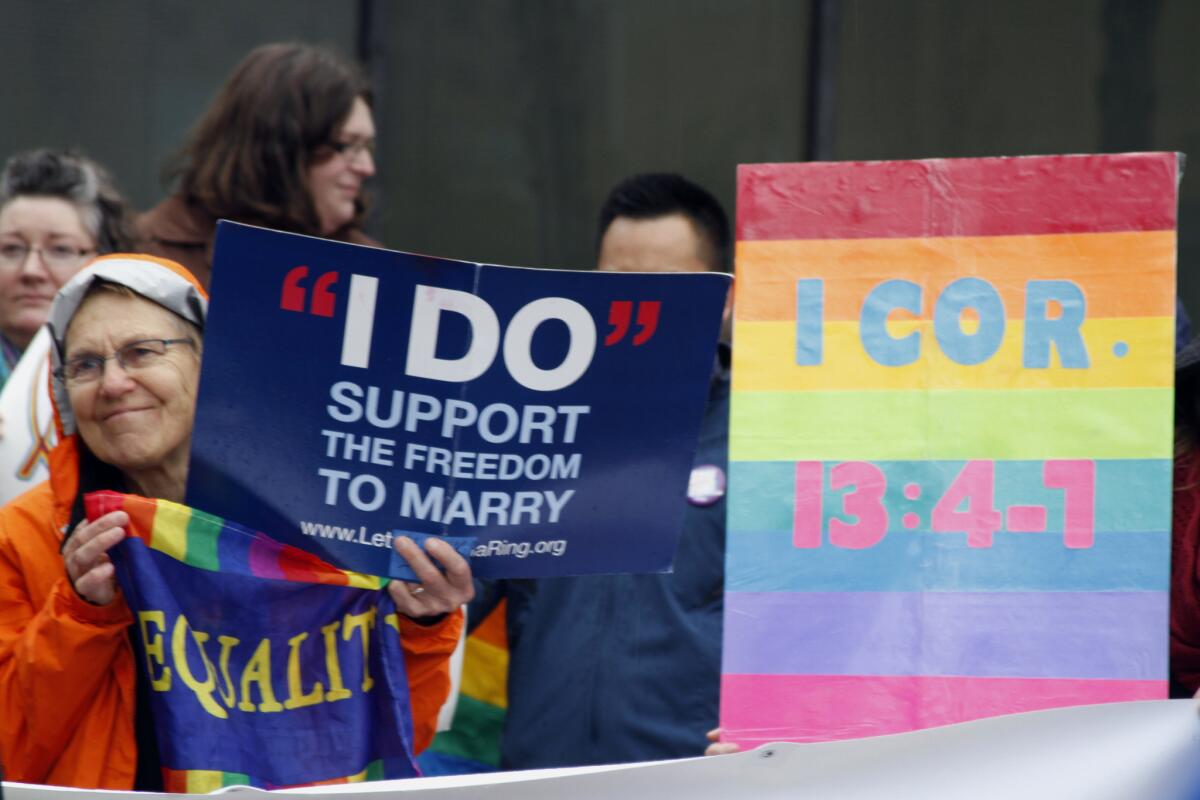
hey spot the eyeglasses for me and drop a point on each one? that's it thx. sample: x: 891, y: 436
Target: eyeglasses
x: 13, y: 254
x: 352, y: 150
x: 134, y: 356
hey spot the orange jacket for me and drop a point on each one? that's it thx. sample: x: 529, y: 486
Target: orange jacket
x: 67, y: 697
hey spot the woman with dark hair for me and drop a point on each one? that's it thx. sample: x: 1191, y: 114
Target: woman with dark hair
x: 57, y: 210
x: 287, y: 144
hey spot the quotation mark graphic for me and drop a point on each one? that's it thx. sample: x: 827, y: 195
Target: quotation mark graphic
x: 293, y: 294
x: 619, y: 315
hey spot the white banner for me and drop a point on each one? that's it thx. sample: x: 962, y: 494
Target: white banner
x: 28, y: 421
x: 1148, y: 750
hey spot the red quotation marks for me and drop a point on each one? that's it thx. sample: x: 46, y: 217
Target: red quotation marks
x: 294, y: 294
x: 621, y: 312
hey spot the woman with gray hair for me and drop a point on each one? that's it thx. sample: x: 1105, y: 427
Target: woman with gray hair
x: 57, y: 210
x: 74, y: 710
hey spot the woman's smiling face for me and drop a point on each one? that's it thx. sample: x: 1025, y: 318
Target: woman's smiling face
x: 135, y: 419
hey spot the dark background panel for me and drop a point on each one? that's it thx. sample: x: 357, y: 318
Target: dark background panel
x: 503, y: 123
x: 1175, y: 125
x: 940, y: 78
x: 78, y: 75
x: 932, y: 78
x: 125, y: 79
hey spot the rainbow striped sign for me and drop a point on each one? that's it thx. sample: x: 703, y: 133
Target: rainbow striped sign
x: 950, y: 442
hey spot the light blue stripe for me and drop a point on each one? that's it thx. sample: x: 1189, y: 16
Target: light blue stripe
x: 1131, y: 495
x: 766, y: 561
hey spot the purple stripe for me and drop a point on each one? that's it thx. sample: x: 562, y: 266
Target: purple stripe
x: 1113, y: 635
x: 264, y: 558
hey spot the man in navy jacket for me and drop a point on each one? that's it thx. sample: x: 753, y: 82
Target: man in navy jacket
x: 618, y: 668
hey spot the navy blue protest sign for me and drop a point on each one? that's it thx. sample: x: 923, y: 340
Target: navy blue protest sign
x: 349, y: 394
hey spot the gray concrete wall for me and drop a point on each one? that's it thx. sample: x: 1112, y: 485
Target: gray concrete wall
x: 503, y: 122
x: 125, y: 79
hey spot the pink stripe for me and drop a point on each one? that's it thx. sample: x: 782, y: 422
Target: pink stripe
x: 957, y: 197
x: 264, y: 558
x: 817, y: 708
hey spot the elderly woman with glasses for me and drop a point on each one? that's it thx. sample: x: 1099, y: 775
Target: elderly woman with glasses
x: 57, y: 210
x: 127, y: 343
x: 287, y: 144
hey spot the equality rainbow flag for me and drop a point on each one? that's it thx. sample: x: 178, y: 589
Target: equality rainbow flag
x: 265, y: 665
x: 950, y: 442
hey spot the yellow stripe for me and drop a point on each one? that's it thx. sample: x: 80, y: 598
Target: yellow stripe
x: 764, y: 359
x: 358, y: 777
x: 170, y: 530
x: 951, y: 425
x: 203, y: 781
x: 358, y: 580
x: 485, y: 676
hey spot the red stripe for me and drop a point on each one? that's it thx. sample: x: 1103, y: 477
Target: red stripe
x: 957, y: 197
x: 815, y: 708
x: 297, y: 571
x: 97, y: 504
x: 300, y: 565
x: 174, y: 780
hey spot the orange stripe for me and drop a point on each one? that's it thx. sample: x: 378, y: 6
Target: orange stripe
x: 141, y: 518
x: 1121, y: 274
x: 327, y: 782
x: 492, y: 630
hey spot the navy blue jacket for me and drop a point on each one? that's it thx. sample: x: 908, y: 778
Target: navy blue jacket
x: 616, y: 668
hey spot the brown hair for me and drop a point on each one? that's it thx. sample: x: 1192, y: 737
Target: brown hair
x: 70, y: 176
x: 246, y: 158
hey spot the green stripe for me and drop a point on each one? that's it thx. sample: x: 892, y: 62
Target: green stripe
x: 203, y: 533
x: 474, y: 734
x: 375, y: 770
x: 235, y: 779
x: 951, y: 424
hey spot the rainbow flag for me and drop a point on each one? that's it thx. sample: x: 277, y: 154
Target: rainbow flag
x: 266, y: 666
x: 210, y: 543
x: 472, y: 744
x: 950, y: 441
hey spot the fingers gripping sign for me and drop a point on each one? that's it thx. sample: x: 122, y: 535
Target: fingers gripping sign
x: 437, y: 592
x: 718, y: 748
x: 86, y: 556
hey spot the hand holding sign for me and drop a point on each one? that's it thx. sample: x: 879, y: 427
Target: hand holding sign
x: 86, y: 557
x: 438, y: 592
